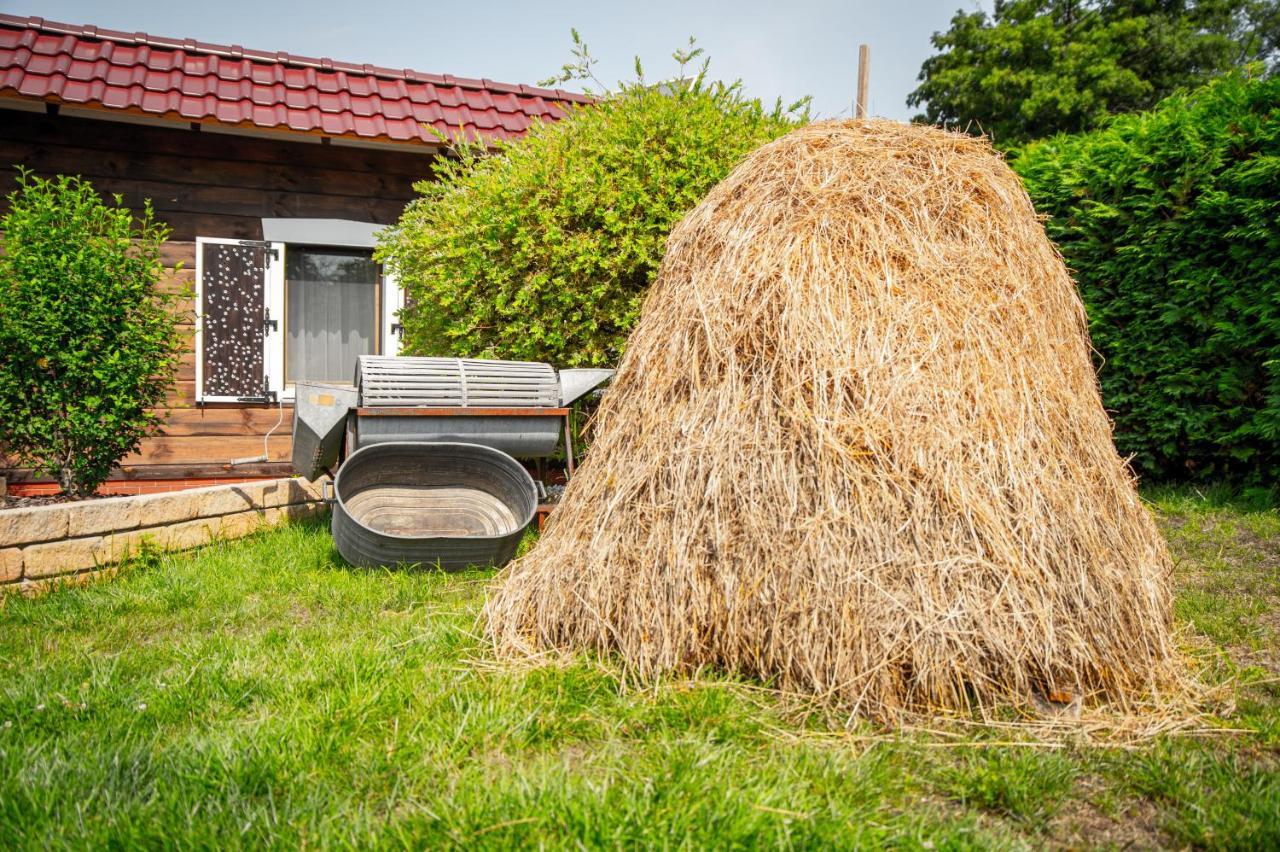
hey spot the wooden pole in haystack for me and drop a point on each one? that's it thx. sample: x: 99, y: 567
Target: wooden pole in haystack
x: 864, y: 71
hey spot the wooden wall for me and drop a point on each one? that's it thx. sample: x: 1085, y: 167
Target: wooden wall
x: 209, y: 184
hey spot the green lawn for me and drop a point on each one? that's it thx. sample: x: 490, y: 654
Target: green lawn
x: 259, y: 693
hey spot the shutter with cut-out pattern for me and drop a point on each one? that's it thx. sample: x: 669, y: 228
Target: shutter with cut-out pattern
x: 232, y: 316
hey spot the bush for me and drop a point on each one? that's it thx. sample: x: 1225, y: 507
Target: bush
x: 89, y: 343
x: 545, y: 250
x: 1171, y: 222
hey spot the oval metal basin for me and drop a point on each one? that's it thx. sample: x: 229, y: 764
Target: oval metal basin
x: 451, y: 505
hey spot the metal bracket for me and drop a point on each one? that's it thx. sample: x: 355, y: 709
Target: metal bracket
x: 268, y: 397
x: 269, y: 251
x: 397, y: 329
x: 268, y: 324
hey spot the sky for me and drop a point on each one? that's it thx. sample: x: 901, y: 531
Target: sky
x: 787, y: 48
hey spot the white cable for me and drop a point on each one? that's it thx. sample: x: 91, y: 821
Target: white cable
x: 266, y: 451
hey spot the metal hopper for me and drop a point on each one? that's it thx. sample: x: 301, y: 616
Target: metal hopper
x: 319, y: 422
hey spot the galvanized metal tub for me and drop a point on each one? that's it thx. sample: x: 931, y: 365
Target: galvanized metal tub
x: 448, y: 504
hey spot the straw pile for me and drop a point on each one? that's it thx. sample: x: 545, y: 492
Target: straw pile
x: 856, y: 448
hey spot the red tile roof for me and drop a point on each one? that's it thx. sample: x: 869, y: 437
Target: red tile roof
x: 193, y: 81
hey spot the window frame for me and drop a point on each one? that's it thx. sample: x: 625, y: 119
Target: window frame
x: 381, y: 299
x: 390, y: 300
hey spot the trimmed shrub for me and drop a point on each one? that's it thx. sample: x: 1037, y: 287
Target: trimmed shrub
x: 89, y: 342
x: 545, y: 250
x: 1171, y: 222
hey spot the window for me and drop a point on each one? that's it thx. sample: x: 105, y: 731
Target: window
x: 270, y: 314
x: 330, y: 313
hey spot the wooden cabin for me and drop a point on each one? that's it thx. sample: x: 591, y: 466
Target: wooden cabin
x: 275, y: 172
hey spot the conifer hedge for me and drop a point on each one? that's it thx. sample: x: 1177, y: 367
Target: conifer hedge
x: 1170, y: 221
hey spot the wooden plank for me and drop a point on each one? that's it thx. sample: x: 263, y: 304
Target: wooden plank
x: 186, y: 367
x: 181, y: 284
x: 186, y: 224
x: 181, y: 395
x: 200, y: 471
x: 864, y: 76
x: 174, y: 252
x: 176, y: 170
x: 37, y: 129
x: 230, y: 420
x: 185, y: 308
x: 192, y: 225
x: 208, y: 449
x: 177, y: 280
x: 231, y: 200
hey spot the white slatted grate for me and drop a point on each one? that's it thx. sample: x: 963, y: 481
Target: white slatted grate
x: 395, y: 382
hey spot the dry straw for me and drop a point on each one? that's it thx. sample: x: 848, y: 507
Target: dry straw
x: 856, y: 448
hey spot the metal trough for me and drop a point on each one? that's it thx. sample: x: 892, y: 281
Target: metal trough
x: 448, y: 504
x: 526, y: 433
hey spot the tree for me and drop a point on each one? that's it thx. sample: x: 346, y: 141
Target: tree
x: 544, y: 249
x: 88, y: 343
x: 1039, y: 67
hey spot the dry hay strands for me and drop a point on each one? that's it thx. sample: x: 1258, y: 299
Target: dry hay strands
x: 856, y: 448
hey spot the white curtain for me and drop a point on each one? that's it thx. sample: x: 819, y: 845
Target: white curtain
x: 331, y: 312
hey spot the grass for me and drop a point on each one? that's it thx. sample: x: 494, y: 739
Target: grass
x: 260, y: 694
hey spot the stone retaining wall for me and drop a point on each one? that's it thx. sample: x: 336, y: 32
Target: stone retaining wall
x: 72, y: 540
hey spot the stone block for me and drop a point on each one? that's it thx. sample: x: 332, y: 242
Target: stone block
x: 10, y: 565
x: 187, y: 535
x: 157, y: 509
x: 309, y: 491
x: 290, y: 491
x: 63, y: 557
x: 34, y: 588
x: 104, y: 515
x: 295, y: 512
x: 241, y: 524
x: 229, y: 499
x: 26, y: 526
x: 124, y: 545
x: 279, y: 492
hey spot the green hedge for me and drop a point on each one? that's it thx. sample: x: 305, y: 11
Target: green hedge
x: 1170, y: 221
x: 546, y: 250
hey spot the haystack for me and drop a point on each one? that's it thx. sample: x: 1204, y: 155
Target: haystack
x: 856, y: 448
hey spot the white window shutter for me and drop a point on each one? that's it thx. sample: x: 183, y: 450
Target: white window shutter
x: 231, y: 298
